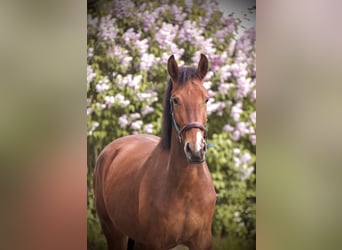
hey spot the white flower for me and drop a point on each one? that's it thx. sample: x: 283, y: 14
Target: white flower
x: 109, y: 100
x: 147, y: 60
x: 146, y: 110
x: 236, y: 151
x: 228, y: 128
x: 148, y: 128
x: 136, y: 125
x: 123, y: 121
x: 253, y: 117
x: 252, y: 138
x: 135, y: 116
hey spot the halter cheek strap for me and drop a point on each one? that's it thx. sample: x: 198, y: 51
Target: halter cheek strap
x: 186, y: 126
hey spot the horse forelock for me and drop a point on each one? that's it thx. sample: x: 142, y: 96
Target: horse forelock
x: 185, y: 74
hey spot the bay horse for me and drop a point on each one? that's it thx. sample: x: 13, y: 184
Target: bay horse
x: 156, y: 193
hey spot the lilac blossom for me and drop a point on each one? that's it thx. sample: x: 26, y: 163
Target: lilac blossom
x: 90, y: 74
x: 136, y: 125
x: 118, y: 52
x: 120, y: 99
x: 94, y: 125
x: 188, y: 5
x: 236, y: 111
x: 123, y: 121
x: 90, y: 53
x: 244, y: 87
x: 217, y: 107
x: 224, y: 87
x: 188, y: 32
x: 134, y: 116
x: 102, y: 85
x: 148, y: 96
x: 131, y: 81
x: 253, y: 117
x: 130, y: 36
x: 107, y: 28
x: 225, y: 72
x: 109, y: 100
x: 253, y: 95
x: 147, y: 61
x: 100, y: 105
x: 124, y: 8
x: 177, y: 13
x: 148, y: 128
x: 252, y: 139
x: 242, y: 127
x: 146, y: 110
x: 166, y: 34
x: 236, y: 151
x: 90, y: 111
x: 228, y: 128
x: 236, y: 135
x: 148, y: 22
x: 246, y: 172
x: 126, y: 61
x: 142, y: 46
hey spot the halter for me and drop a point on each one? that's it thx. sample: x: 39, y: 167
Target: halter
x: 186, y: 126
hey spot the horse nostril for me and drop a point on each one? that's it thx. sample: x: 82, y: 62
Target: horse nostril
x: 204, y: 147
x: 187, y: 148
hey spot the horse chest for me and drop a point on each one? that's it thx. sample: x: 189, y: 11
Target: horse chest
x: 181, y: 217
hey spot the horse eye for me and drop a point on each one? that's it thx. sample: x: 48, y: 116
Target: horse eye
x: 206, y: 100
x: 175, y: 101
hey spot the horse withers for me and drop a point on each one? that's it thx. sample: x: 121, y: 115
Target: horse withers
x: 156, y: 193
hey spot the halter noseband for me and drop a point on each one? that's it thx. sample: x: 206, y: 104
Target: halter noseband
x: 186, y: 126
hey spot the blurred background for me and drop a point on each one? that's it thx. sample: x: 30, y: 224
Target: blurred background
x: 129, y: 43
x: 44, y: 126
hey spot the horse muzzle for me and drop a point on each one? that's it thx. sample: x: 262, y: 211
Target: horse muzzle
x: 195, y: 153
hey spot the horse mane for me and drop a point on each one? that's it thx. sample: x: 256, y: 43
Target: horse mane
x: 184, y: 75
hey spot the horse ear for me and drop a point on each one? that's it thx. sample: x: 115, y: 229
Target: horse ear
x: 172, y: 68
x: 202, y: 68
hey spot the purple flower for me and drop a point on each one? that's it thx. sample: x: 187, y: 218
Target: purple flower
x: 131, y: 81
x: 123, y: 121
x: 90, y: 111
x: 177, y: 13
x: 124, y: 8
x: 253, y: 117
x: 90, y: 53
x: 94, y: 125
x: 246, y: 172
x: 134, y: 116
x: 236, y: 111
x: 252, y: 138
x: 136, y: 125
x: 224, y: 87
x: 102, y: 85
x: 147, y: 60
x: 228, y: 128
x: 90, y: 74
x: 236, y: 135
x: 242, y: 128
x: 148, y: 128
x: 236, y: 151
x: 146, y: 110
x: 107, y: 28
x: 130, y: 36
x: 109, y: 100
x: 142, y: 46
